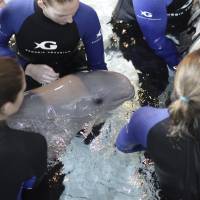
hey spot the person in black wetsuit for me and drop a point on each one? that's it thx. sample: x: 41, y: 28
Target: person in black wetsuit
x: 48, y: 35
x: 144, y: 27
x: 23, y: 154
x: 171, y: 136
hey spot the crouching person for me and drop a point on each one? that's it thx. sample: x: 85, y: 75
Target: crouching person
x: 171, y: 135
x: 23, y: 154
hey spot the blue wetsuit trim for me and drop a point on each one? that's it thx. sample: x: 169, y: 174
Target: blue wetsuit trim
x: 11, y: 21
x: 29, y: 184
x: 133, y: 136
x: 152, y: 19
x: 90, y: 32
x: 87, y: 23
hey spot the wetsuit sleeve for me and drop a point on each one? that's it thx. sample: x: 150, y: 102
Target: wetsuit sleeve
x: 90, y: 32
x: 133, y: 136
x: 152, y: 19
x: 6, y: 32
x: 10, y: 22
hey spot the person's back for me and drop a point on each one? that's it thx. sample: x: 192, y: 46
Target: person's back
x: 23, y: 155
x: 171, y: 136
x: 174, y: 162
x: 23, y: 159
x: 179, y: 156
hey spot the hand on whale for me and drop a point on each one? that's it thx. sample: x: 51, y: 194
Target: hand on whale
x: 41, y: 73
x: 61, y: 109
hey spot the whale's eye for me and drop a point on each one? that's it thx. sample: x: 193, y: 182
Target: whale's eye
x: 98, y: 101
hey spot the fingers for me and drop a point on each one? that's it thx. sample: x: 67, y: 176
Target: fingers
x: 41, y: 73
x: 52, y: 75
x: 48, y: 74
x: 48, y: 70
x: 48, y: 79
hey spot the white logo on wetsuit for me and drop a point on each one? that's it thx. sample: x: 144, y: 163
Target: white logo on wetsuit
x: 146, y: 14
x: 46, y: 45
x: 99, y: 34
x: 98, y: 37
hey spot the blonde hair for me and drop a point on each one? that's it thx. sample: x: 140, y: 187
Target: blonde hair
x: 185, y: 108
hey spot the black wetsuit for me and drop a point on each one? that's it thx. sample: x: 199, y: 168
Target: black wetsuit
x: 23, y: 162
x: 177, y: 162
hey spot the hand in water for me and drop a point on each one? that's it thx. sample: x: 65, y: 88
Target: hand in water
x: 41, y: 73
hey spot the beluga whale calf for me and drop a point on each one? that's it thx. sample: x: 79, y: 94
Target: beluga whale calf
x: 61, y: 109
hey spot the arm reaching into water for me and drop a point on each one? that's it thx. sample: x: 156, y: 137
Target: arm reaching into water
x: 90, y: 32
x: 152, y: 19
x: 133, y: 136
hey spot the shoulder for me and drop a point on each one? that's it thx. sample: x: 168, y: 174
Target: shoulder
x: 159, y: 130
x: 148, y: 111
x: 85, y: 13
x: 26, y: 139
x: 16, y: 11
x: 15, y: 6
x: 151, y: 3
x: 145, y: 6
x: 86, y: 9
x: 146, y: 117
x: 33, y: 138
x: 87, y: 21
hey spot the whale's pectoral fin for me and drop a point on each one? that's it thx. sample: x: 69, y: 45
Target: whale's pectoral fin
x: 90, y: 130
x: 94, y: 133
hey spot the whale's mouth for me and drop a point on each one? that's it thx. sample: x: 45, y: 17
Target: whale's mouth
x: 122, y: 98
x: 118, y: 101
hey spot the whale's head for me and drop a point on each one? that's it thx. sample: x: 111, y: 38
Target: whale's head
x: 89, y: 93
x: 107, y: 90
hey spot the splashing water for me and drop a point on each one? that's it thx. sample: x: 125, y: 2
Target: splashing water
x: 99, y: 171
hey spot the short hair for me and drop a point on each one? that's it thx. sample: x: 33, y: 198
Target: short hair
x: 11, y: 81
